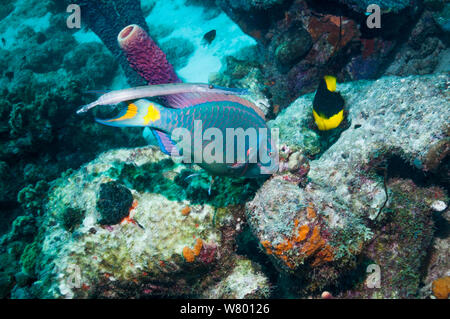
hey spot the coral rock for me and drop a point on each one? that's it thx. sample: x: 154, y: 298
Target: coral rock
x: 245, y: 280
x: 161, y: 252
x: 388, y: 117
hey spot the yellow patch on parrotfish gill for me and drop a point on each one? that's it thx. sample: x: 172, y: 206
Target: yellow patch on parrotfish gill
x: 130, y: 113
x: 331, y: 82
x: 153, y: 114
x: 325, y: 124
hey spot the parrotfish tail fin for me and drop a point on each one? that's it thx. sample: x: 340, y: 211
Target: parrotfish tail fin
x: 140, y: 113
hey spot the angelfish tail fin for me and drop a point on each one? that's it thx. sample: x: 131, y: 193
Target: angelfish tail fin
x: 140, y: 113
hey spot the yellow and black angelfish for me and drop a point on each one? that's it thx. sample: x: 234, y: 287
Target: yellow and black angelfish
x: 328, y: 105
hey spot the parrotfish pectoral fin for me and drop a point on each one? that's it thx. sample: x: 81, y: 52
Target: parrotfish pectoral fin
x: 140, y: 113
x: 166, y: 144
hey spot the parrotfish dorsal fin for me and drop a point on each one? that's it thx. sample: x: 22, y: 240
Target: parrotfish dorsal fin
x: 191, y: 99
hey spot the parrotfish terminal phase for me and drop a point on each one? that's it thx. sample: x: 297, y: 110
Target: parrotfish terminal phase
x: 237, y: 125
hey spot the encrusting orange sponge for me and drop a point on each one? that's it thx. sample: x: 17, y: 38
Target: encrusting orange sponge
x: 186, y: 211
x: 441, y: 287
x: 198, y: 247
x: 190, y: 254
x: 315, y: 246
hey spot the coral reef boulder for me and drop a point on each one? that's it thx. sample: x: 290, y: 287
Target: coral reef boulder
x: 245, y: 281
x: 401, y: 242
x: 329, y: 219
x: 114, y: 202
x: 253, y: 16
x: 438, y: 267
x: 441, y: 14
x: 423, y: 51
x: 149, y: 246
x: 293, y: 45
x: 72, y: 218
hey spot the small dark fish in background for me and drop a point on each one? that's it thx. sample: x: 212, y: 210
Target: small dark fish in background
x: 4, y: 41
x: 209, y: 37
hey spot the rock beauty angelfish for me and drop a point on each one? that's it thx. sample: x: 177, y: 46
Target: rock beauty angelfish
x: 328, y: 105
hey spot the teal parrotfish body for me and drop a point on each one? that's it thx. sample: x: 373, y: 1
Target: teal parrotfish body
x: 196, y: 113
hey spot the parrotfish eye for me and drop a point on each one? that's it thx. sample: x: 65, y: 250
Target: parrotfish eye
x: 211, y: 86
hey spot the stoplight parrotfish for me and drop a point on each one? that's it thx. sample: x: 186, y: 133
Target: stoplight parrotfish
x: 117, y: 96
x: 328, y: 105
x: 198, y: 108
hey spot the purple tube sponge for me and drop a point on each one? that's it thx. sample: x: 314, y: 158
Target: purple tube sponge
x: 150, y: 62
x: 145, y: 57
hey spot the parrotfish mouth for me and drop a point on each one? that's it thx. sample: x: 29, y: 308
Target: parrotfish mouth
x: 117, y: 96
